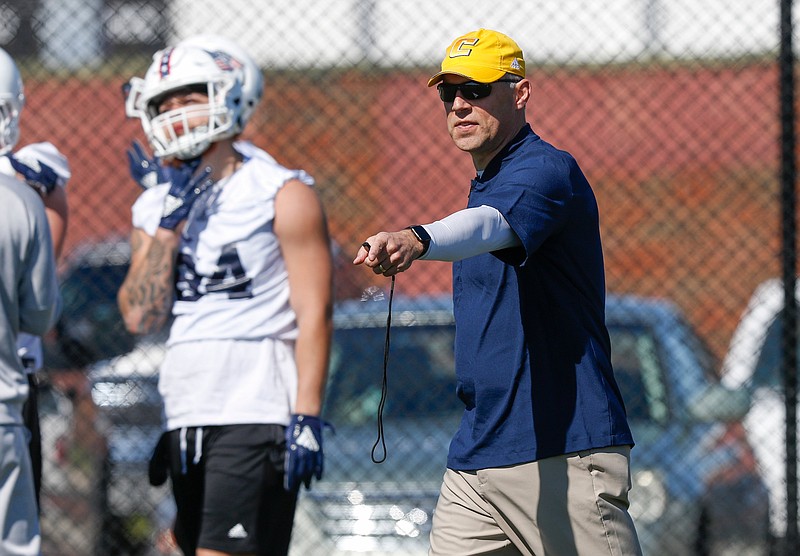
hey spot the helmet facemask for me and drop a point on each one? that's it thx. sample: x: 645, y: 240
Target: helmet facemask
x: 12, y: 99
x: 188, y: 131
x: 9, y: 125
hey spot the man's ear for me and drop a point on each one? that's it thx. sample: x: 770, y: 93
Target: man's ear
x: 522, y: 93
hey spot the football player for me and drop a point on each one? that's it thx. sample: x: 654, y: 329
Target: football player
x: 28, y: 303
x: 232, y: 250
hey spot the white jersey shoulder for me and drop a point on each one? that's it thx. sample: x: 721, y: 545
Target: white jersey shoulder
x: 45, y: 153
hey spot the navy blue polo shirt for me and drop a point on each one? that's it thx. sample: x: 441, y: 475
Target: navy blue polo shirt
x: 533, y: 356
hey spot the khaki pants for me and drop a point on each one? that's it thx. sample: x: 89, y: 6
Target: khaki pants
x: 575, y: 504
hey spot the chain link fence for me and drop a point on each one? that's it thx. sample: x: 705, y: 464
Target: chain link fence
x: 671, y: 108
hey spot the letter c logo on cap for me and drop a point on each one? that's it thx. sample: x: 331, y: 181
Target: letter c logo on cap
x: 463, y: 48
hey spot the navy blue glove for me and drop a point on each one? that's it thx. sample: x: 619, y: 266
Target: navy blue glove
x: 146, y: 171
x: 304, y: 458
x: 39, y: 176
x: 186, y: 186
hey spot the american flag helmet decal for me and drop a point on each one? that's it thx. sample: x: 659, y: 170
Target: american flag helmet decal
x: 165, y: 65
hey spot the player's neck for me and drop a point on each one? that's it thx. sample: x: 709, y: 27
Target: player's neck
x: 222, y: 158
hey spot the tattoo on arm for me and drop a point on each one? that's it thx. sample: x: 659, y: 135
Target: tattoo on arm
x: 150, y: 288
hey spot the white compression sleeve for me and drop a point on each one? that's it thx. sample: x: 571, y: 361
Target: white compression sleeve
x: 467, y: 233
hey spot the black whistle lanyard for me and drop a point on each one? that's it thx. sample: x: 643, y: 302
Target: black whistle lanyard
x: 384, y: 385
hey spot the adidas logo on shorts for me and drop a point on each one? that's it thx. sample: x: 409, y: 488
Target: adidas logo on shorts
x: 237, y: 532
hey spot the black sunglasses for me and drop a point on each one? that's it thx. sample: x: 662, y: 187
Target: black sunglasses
x: 470, y: 90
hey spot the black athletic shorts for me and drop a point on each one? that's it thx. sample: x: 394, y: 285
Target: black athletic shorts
x: 229, y: 492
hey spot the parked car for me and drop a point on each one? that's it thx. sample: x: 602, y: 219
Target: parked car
x: 696, y: 489
x: 695, y: 486
x: 753, y: 363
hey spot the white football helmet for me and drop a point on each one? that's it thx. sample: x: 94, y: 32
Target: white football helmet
x: 12, y: 99
x: 253, y: 86
x: 216, y: 73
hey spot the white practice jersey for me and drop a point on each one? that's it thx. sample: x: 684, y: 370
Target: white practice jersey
x: 232, y: 297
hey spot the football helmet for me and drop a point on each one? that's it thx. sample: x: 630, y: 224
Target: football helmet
x: 12, y: 99
x: 187, y: 132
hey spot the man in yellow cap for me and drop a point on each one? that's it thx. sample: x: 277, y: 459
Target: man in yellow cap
x: 541, y: 460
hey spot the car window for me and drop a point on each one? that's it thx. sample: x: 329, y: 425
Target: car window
x: 639, y: 373
x: 421, y: 376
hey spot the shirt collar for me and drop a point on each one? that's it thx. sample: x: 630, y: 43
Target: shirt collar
x: 524, y: 134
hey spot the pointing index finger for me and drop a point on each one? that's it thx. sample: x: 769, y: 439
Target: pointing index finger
x: 358, y: 259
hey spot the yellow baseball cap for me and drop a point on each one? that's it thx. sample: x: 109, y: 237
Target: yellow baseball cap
x: 483, y: 56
